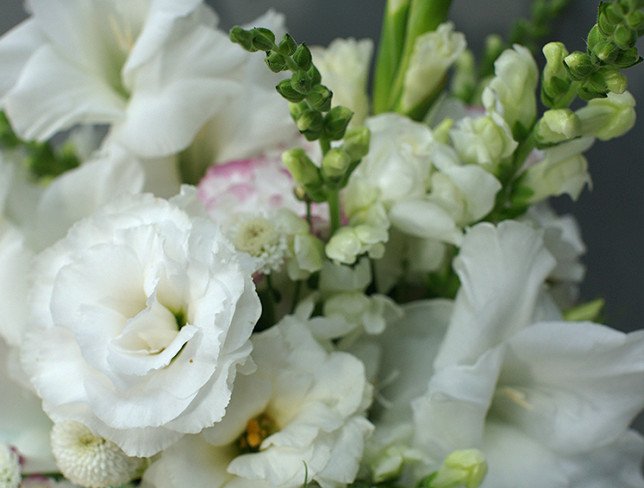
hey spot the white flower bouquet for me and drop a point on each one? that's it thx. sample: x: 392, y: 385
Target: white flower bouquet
x: 225, y: 263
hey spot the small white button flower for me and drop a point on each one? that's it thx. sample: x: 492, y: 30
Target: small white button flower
x: 89, y: 460
x: 151, y: 310
x: 9, y: 467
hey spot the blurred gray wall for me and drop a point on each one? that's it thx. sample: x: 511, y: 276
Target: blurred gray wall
x: 611, y: 215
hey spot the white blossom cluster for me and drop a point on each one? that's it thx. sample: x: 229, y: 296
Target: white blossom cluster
x: 175, y: 313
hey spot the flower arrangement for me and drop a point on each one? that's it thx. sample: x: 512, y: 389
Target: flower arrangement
x: 225, y: 263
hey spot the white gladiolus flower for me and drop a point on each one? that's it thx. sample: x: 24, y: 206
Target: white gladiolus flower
x: 9, y: 468
x: 89, y: 460
x: 154, y: 70
x: 511, y: 92
x: 344, y: 67
x: 535, y: 396
x: 248, y: 124
x: 298, y: 418
x: 151, y: 309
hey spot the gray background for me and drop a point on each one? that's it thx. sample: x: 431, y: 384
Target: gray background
x: 611, y: 215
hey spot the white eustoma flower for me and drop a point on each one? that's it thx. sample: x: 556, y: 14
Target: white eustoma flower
x: 344, y: 67
x: 151, y: 310
x: 154, y: 70
x: 539, y: 397
x: 299, y: 417
x: 511, y: 92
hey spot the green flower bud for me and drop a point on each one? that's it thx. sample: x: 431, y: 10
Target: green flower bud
x: 464, y: 79
x: 301, y: 82
x: 241, y: 36
x: 310, y: 124
x: 557, y: 125
x: 262, y: 39
x: 303, y: 170
x: 320, y: 98
x: 615, y: 81
x: 595, y: 36
x: 605, y: 51
x: 580, y: 65
x: 314, y: 75
x: 287, y: 45
x: 635, y: 20
x: 609, y: 117
x: 624, y: 37
x: 626, y: 58
x: 557, y: 90
x: 302, y: 57
x: 336, y: 122
x: 297, y: 109
x: 356, y: 142
x: 285, y: 89
x: 335, y: 164
x: 276, y: 62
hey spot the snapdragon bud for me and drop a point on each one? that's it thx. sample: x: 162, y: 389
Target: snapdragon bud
x: 287, y: 45
x: 285, y: 89
x: 310, y: 123
x: 302, y: 57
x: 557, y: 125
x: 580, y: 65
x: 302, y: 169
x: 615, y: 81
x: 262, y: 39
x: 276, y: 62
x: 335, y: 164
x: 336, y: 122
x: 607, y: 118
x: 301, y: 82
x: 244, y: 38
x: 557, y: 90
x: 320, y: 98
x: 356, y: 142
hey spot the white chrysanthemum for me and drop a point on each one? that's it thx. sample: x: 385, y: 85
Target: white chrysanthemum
x: 152, y: 310
x: 299, y: 416
x: 9, y: 467
x: 90, y: 460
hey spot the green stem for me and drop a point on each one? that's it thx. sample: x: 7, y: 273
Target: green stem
x: 334, y: 209
x: 325, y: 145
x: 390, y: 50
x: 424, y: 16
x: 296, y: 295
